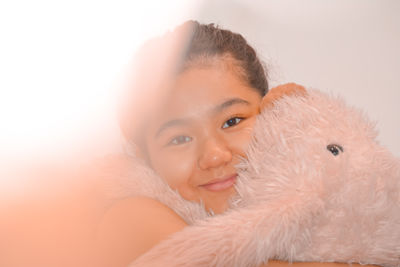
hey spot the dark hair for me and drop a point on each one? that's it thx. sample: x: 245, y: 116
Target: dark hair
x: 210, y: 41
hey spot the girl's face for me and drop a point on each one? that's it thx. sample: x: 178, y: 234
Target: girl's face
x: 199, y: 133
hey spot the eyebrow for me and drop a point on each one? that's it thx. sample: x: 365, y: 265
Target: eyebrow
x: 229, y: 103
x: 215, y: 110
x: 171, y: 123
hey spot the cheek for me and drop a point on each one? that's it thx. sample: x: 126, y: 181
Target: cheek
x: 240, y: 140
x: 175, y: 168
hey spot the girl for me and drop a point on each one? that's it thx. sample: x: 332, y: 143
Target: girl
x: 208, y: 98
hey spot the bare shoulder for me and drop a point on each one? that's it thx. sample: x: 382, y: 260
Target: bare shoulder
x: 134, y: 225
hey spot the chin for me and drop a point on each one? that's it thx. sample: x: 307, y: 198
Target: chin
x: 219, y: 202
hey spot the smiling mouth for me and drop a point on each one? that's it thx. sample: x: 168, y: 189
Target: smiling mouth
x: 220, y: 184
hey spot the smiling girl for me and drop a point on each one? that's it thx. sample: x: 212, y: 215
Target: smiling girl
x: 192, y: 137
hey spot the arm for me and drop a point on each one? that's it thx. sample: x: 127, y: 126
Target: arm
x: 310, y: 264
x: 133, y: 226
x: 240, y: 238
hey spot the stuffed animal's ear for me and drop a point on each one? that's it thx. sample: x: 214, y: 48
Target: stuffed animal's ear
x: 280, y: 91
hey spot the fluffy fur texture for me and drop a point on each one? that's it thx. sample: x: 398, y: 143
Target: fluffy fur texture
x: 316, y: 187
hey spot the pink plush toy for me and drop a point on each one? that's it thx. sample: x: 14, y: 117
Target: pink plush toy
x: 316, y: 187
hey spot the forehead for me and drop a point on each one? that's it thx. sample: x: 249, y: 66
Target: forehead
x: 203, y: 87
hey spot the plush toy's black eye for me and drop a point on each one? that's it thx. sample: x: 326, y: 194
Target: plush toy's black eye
x: 334, y: 149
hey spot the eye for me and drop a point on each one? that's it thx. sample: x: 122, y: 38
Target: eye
x: 334, y: 149
x: 232, y: 122
x: 179, y: 140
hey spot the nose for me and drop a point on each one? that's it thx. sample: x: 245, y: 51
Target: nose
x: 214, y: 153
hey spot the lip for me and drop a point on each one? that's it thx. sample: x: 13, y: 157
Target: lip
x: 220, y: 184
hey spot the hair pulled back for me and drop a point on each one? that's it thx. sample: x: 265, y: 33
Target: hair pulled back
x: 210, y: 41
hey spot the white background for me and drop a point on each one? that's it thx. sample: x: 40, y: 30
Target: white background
x: 61, y: 62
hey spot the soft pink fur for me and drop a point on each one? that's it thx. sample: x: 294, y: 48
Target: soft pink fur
x: 296, y: 200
